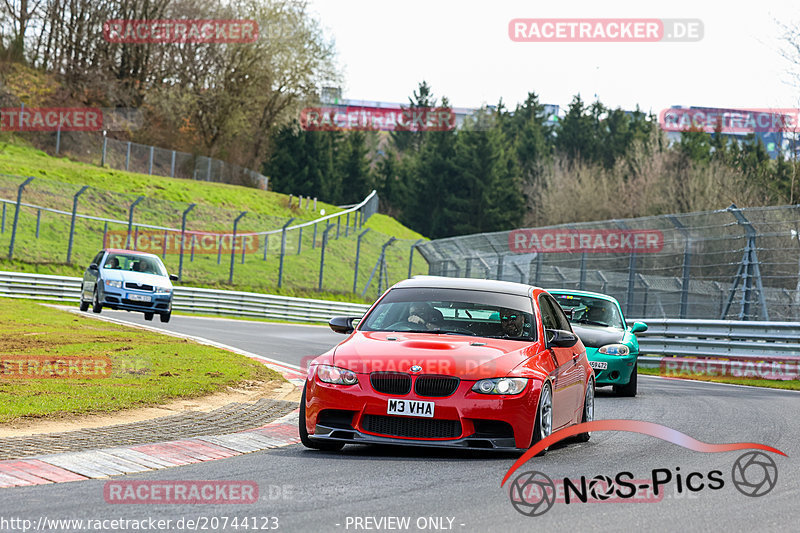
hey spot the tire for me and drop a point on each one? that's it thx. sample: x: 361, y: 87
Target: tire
x: 588, y: 411
x: 326, y: 446
x: 84, y: 305
x: 148, y: 316
x: 164, y: 316
x: 96, y: 305
x: 629, y: 390
x: 544, y: 413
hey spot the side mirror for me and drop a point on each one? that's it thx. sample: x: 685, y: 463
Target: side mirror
x: 638, y: 327
x: 342, y: 324
x: 93, y: 266
x: 173, y: 277
x: 560, y: 338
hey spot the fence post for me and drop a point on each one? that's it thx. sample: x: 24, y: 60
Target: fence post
x: 3, y: 227
x: 150, y: 166
x: 314, y: 240
x: 347, y: 225
x: 135, y: 236
x: 358, y: 255
x: 266, y: 246
x: 172, y: 166
x: 208, y: 170
x: 539, y: 265
x: 105, y: 143
x: 16, y: 217
x: 300, y: 241
x: 183, y: 233
x: 631, y: 274
x: 130, y: 219
x: 244, y: 248
x: 194, y: 240
x: 382, y: 262
x: 164, y: 247
x: 500, y: 260
x: 128, y: 157
x: 338, y: 226
x: 283, y: 251
x: 58, y: 138
x: 411, y: 256
x: 219, y: 249
x: 315, y: 203
x: 233, y: 244
x: 72, y: 222
x: 38, y: 221
x: 749, y: 270
x: 322, y: 255
x: 105, y: 234
x: 687, y: 261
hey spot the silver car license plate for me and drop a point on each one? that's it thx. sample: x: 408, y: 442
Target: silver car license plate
x: 139, y: 298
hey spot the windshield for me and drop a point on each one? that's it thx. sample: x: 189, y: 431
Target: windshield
x: 589, y: 310
x: 135, y: 263
x: 453, y: 312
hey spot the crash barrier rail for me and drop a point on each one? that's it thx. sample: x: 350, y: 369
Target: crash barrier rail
x: 734, y: 263
x: 198, y: 300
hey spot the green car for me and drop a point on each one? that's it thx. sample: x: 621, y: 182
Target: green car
x: 611, y: 346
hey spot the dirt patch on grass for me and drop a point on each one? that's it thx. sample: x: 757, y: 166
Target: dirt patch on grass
x: 245, y: 392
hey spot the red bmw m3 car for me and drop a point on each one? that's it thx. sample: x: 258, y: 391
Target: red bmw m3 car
x: 463, y: 363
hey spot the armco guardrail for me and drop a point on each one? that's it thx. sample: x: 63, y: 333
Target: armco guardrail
x: 233, y: 303
x: 720, y: 338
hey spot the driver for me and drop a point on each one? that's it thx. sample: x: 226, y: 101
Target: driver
x: 511, y: 322
x: 423, y: 314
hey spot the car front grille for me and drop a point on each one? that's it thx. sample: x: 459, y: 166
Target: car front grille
x: 138, y: 287
x: 419, y: 428
x: 436, y: 386
x: 137, y: 303
x: 391, y: 382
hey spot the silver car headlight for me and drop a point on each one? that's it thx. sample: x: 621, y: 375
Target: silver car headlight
x: 163, y: 290
x: 113, y: 283
x: 500, y: 386
x: 614, y: 349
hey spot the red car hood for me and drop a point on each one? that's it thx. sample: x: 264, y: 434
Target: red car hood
x: 454, y: 355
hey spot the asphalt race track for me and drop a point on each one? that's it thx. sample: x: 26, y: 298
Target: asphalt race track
x: 359, y: 488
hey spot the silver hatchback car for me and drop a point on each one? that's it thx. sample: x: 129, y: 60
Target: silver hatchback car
x: 129, y: 281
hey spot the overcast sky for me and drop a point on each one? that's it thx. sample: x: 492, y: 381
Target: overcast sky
x: 462, y: 49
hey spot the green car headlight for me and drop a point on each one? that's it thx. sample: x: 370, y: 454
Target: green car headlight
x: 614, y: 349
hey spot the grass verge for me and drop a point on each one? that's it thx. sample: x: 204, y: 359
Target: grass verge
x: 146, y: 368
x: 791, y: 384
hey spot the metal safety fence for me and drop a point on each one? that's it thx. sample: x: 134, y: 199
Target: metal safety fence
x: 44, y: 221
x: 728, y: 264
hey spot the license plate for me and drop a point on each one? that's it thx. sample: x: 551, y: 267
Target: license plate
x: 139, y: 297
x: 410, y: 408
x: 599, y: 365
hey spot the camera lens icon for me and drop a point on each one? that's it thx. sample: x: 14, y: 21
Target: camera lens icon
x: 532, y: 493
x: 754, y: 474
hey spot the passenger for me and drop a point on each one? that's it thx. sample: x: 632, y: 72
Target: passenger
x: 113, y: 263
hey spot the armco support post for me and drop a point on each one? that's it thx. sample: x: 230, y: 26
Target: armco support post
x: 233, y: 244
x: 411, y: 257
x: 283, y: 251
x: 183, y: 234
x: 322, y: 255
x: 358, y: 255
x: 16, y: 217
x: 72, y: 222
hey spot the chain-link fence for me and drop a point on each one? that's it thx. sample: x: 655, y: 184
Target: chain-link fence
x: 732, y: 264
x: 58, y: 225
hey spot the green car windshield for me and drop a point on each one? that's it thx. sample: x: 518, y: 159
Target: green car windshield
x: 589, y: 310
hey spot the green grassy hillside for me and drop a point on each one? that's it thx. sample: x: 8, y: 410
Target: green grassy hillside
x: 112, y: 192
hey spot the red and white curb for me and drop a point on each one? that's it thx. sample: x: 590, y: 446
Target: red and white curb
x: 103, y: 463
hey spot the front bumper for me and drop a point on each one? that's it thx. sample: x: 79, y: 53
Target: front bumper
x: 619, y: 371
x: 119, y: 299
x: 482, y: 421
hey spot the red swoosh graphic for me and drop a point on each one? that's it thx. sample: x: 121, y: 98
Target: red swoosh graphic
x: 636, y: 426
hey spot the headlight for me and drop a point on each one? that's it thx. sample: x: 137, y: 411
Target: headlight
x: 500, y: 386
x: 336, y: 375
x: 163, y: 290
x: 113, y: 283
x: 614, y: 349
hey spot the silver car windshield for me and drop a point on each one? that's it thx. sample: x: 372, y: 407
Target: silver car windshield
x: 134, y: 263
